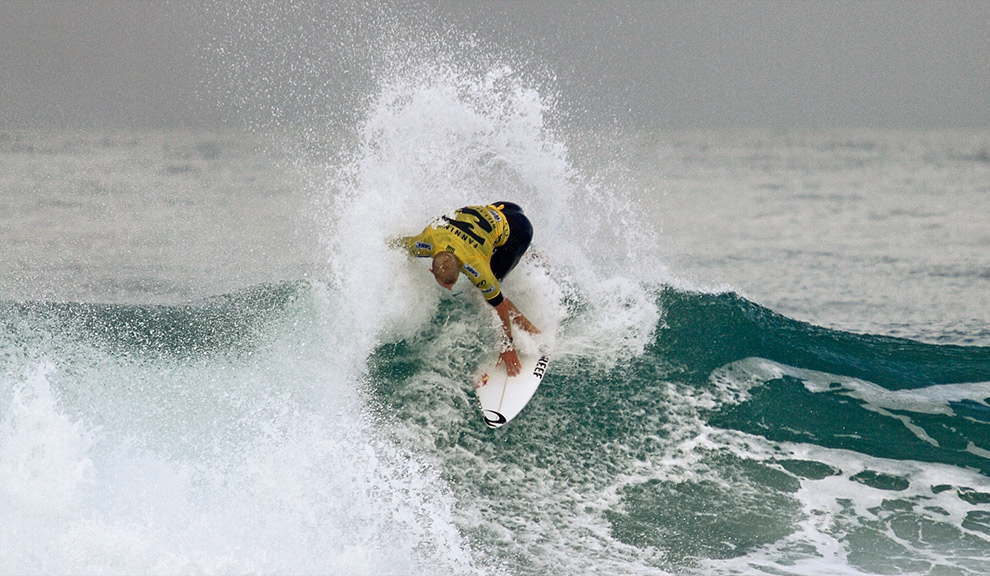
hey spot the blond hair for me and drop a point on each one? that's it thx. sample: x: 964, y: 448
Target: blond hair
x: 446, y: 267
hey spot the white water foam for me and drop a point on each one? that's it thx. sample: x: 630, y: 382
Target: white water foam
x: 859, y: 514
x: 436, y: 139
x: 257, y: 463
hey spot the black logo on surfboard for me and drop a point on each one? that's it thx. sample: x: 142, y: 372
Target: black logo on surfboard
x: 541, y: 367
x: 493, y: 418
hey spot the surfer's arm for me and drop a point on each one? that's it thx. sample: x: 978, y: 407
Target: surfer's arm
x: 508, y: 313
x: 516, y: 316
x: 418, y: 246
x: 508, y: 355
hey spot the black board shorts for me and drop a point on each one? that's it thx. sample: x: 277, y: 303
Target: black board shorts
x: 506, y: 256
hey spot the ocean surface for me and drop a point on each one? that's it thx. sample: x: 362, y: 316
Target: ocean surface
x: 771, y: 350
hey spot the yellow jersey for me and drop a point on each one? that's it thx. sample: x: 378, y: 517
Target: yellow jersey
x: 471, y: 234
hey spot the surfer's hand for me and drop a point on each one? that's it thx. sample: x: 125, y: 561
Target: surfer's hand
x: 511, y: 361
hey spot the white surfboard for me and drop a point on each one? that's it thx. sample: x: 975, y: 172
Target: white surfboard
x: 502, y: 398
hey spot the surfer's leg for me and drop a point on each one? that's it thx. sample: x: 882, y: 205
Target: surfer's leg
x: 505, y: 257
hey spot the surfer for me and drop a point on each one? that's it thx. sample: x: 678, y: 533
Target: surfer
x: 485, y: 243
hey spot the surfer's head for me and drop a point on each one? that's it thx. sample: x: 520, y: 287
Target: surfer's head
x: 446, y: 268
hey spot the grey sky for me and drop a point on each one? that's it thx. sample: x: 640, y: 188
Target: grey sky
x: 813, y: 64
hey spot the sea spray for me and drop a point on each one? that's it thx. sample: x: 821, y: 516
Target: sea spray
x: 254, y: 455
x: 441, y: 138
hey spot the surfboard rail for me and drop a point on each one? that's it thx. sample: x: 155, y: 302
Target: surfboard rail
x: 501, y: 397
